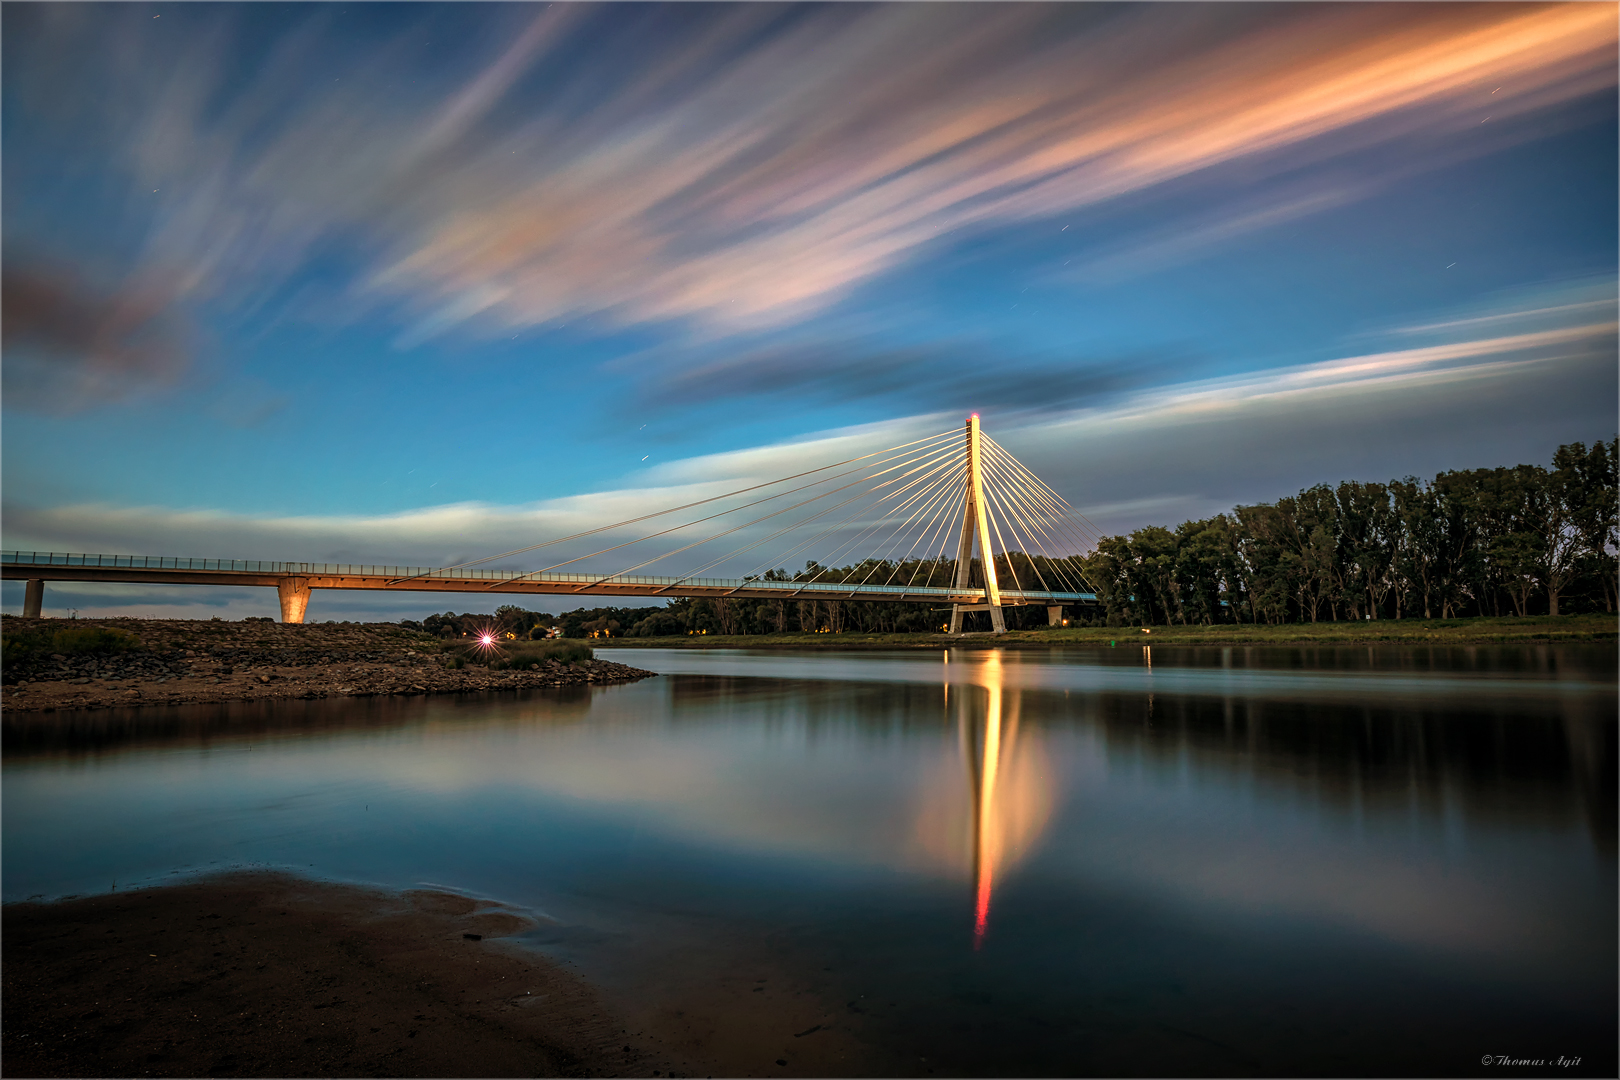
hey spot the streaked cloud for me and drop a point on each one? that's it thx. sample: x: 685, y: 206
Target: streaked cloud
x: 1184, y: 240
x: 742, y: 166
x: 932, y: 375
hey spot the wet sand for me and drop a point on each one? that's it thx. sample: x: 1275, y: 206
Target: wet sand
x: 266, y: 974
x: 259, y: 974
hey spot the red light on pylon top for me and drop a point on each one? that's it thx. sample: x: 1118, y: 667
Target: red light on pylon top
x: 975, y: 416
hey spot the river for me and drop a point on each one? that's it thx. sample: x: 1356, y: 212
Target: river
x: 1068, y: 861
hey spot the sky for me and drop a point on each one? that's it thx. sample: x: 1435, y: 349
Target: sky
x: 421, y: 283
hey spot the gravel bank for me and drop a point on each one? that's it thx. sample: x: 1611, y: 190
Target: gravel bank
x: 186, y: 662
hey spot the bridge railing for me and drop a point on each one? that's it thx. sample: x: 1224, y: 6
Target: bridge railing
x: 240, y: 566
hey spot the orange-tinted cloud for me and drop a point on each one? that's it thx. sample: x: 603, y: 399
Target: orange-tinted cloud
x: 786, y: 181
x: 744, y: 166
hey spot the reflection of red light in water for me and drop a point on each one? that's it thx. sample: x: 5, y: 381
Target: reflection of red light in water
x: 985, y: 840
x: 981, y: 907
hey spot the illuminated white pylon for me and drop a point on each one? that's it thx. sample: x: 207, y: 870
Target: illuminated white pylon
x: 975, y: 521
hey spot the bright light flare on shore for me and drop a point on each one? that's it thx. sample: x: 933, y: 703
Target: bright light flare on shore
x: 486, y: 641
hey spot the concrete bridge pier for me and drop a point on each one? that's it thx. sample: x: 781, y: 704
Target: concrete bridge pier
x: 998, y: 622
x: 1054, y: 614
x: 33, y: 598
x: 294, y: 594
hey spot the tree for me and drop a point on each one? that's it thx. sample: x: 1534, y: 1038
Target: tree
x: 1589, y: 484
x: 1370, y: 532
x: 1418, y: 550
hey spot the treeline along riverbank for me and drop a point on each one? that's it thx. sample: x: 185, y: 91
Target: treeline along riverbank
x: 1524, y: 540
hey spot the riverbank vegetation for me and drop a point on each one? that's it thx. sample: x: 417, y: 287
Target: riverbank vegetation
x: 1534, y: 629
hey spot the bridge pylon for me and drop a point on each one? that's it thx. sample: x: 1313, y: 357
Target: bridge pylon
x: 975, y: 522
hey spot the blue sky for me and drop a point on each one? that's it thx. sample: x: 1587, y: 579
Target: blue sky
x: 419, y: 283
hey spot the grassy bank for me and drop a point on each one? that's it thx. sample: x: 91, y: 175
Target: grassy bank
x: 1511, y: 630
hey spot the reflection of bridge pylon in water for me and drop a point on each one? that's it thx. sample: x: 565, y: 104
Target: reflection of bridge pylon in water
x: 1008, y: 791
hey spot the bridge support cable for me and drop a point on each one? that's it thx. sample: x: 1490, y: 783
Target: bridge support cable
x: 938, y: 480
x: 1006, y: 552
x: 1034, y: 536
x: 756, y: 502
x: 1055, y: 507
x: 939, y: 508
x: 675, y: 509
x: 942, y: 534
x: 963, y: 470
x: 950, y: 469
x: 958, y: 471
x: 999, y: 501
x: 1045, y: 488
x: 1039, y: 495
x: 1031, y: 520
x: 936, y: 508
x: 928, y: 458
x: 723, y: 513
x: 1064, y: 566
x: 1041, y: 485
x: 878, y: 559
x: 1047, y: 502
x: 940, y: 464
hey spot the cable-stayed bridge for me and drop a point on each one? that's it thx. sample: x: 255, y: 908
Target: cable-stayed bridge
x: 951, y: 519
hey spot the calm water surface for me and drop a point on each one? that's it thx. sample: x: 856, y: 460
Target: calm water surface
x: 1034, y: 862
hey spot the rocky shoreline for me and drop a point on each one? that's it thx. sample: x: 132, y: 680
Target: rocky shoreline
x: 187, y: 662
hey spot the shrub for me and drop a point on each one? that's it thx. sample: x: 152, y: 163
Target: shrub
x: 530, y: 655
x: 93, y: 639
x: 564, y: 652
x: 30, y: 646
x: 17, y: 648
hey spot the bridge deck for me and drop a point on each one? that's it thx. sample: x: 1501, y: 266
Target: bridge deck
x: 162, y: 570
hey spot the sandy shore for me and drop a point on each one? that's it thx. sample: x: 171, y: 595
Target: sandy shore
x: 185, y: 662
x: 267, y: 974
x: 259, y: 974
